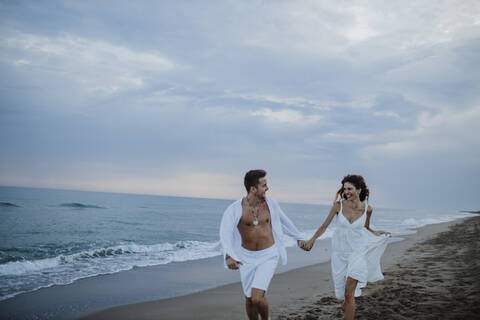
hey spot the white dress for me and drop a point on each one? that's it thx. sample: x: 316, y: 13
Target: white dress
x: 356, y: 253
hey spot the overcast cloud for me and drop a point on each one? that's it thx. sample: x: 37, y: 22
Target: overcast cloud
x: 183, y: 97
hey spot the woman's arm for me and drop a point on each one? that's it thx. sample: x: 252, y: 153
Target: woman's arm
x: 367, y: 223
x: 333, y: 211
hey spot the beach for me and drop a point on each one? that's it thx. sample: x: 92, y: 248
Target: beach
x: 438, y: 278
x: 71, y: 254
x: 67, y: 254
x: 432, y: 274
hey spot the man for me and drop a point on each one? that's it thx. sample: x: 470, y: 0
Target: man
x: 251, y: 235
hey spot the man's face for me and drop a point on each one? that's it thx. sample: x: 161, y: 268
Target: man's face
x: 261, y: 188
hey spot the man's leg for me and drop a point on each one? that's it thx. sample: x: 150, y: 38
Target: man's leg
x: 263, y: 276
x: 251, y: 309
x: 257, y: 304
x: 258, y: 281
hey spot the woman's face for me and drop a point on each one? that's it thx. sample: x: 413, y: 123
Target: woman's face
x: 350, y: 192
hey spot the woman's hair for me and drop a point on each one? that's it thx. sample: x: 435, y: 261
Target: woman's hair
x: 359, y: 183
x: 252, y: 177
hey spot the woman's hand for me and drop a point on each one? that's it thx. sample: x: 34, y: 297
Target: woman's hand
x: 379, y: 233
x: 309, y: 244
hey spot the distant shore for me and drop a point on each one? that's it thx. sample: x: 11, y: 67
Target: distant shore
x: 466, y: 211
x: 412, y: 266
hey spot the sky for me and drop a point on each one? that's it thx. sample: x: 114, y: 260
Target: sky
x: 183, y: 97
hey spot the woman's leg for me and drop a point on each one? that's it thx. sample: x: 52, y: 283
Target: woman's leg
x: 349, y: 303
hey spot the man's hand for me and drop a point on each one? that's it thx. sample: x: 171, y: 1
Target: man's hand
x: 232, y: 264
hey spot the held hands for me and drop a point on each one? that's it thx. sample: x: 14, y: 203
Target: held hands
x: 301, y: 244
x: 305, y: 245
x: 309, y: 244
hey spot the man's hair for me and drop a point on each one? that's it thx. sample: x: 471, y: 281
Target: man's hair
x: 359, y: 183
x: 252, y: 177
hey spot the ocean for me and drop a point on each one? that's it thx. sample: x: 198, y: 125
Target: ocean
x: 55, y: 237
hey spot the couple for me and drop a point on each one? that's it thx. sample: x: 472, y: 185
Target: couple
x: 252, y: 229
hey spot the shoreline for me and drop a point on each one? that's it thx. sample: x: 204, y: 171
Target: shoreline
x: 291, y: 290
x: 134, y: 294
x: 137, y: 285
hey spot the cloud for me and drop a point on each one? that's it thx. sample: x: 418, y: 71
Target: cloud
x: 286, y: 116
x: 157, y: 92
x: 22, y: 62
x: 333, y: 27
x: 389, y: 114
x: 299, y: 102
x: 447, y: 132
x: 347, y: 138
x: 93, y: 66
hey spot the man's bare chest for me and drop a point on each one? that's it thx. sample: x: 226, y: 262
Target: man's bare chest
x: 252, y: 218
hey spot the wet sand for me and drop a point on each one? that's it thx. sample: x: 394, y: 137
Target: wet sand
x: 433, y: 274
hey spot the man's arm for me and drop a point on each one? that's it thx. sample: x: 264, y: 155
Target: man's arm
x: 287, y: 225
x: 227, y: 229
x: 289, y: 228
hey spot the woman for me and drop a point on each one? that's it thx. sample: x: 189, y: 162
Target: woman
x: 356, y: 248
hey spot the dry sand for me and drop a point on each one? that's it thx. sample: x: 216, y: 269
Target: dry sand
x: 433, y: 274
